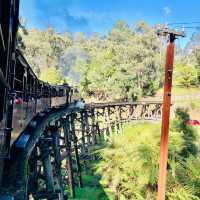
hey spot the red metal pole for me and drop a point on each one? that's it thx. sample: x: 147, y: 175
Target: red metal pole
x: 165, y: 119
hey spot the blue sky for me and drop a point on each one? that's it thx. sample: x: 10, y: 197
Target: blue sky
x: 99, y: 15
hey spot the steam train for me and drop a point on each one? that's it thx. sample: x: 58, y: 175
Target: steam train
x: 22, y: 94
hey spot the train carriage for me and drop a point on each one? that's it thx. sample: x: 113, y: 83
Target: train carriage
x: 33, y: 95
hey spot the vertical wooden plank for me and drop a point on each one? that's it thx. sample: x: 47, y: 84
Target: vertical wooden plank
x: 105, y: 127
x: 83, y: 131
x: 46, y: 159
x: 78, y: 166
x: 56, y: 149
x: 66, y: 128
x: 93, y: 130
x: 108, y: 120
x: 98, y: 132
x: 119, y: 113
x: 87, y: 128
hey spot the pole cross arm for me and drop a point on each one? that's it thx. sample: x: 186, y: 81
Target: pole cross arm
x: 173, y: 34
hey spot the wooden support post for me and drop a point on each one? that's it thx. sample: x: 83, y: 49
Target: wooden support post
x: 98, y: 132
x: 34, y: 171
x: 130, y: 112
x: 56, y: 146
x: 165, y: 117
x: 87, y: 128
x: 78, y: 166
x: 46, y: 159
x: 93, y: 130
x: 105, y: 125
x: 116, y: 120
x: 119, y: 114
x: 57, y: 153
x: 66, y: 128
x: 83, y: 127
x: 108, y: 120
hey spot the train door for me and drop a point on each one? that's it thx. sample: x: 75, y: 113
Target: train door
x: 30, y: 101
x: 18, y: 107
x: 39, y: 96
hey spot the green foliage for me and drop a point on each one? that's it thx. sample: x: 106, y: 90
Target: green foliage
x: 51, y: 75
x: 92, y: 188
x: 189, y: 134
x: 196, y: 55
x: 182, y: 193
x: 125, y: 64
x: 89, y: 193
x: 43, y: 50
x: 185, y: 75
x: 129, y: 165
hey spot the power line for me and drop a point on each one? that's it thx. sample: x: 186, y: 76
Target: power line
x: 183, y: 23
x: 188, y: 27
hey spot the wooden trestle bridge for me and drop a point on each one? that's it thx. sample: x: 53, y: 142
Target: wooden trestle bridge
x: 45, y: 159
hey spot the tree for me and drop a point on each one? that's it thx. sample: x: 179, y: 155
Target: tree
x: 51, y: 75
x: 44, y: 49
x: 185, y: 75
x: 125, y: 64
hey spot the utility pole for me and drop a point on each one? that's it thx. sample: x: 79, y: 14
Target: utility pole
x: 166, y: 109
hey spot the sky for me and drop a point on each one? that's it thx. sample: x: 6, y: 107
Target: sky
x: 99, y: 16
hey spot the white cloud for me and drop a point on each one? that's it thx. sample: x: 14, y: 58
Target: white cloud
x: 167, y: 10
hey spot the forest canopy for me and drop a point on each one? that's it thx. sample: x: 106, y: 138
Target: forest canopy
x: 127, y: 63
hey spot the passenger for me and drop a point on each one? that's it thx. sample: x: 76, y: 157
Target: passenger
x: 18, y: 101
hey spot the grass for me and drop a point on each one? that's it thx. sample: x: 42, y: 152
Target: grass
x: 90, y: 193
x: 92, y: 189
x: 178, y: 91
